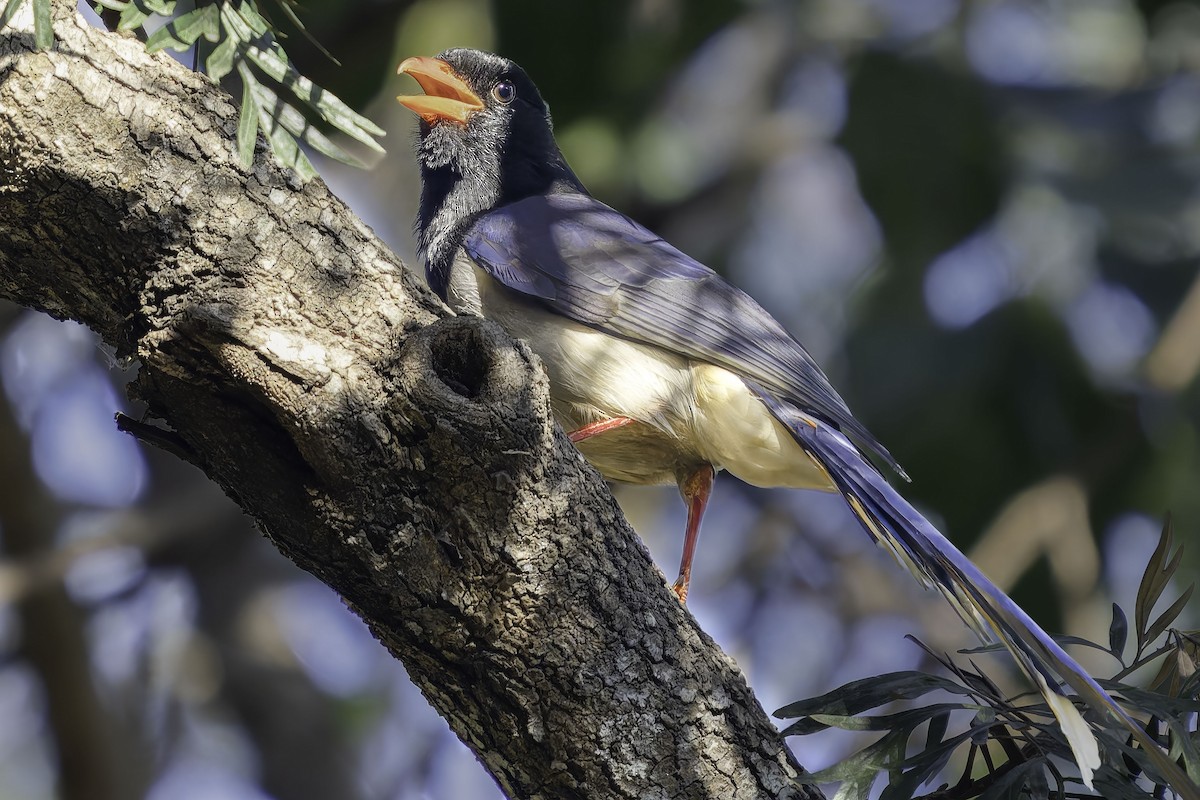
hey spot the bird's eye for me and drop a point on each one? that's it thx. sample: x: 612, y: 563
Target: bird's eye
x: 504, y: 92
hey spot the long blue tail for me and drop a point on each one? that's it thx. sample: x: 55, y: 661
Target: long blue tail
x: 893, y: 523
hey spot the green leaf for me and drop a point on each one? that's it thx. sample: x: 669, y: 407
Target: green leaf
x: 182, y: 32
x: 920, y: 768
x: 221, y: 60
x: 1171, y: 710
x: 1182, y: 744
x: 1156, y: 703
x: 286, y: 7
x: 857, y: 787
x: 10, y: 11
x: 275, y: 65
x: 285, y: 148
x: 1154, y: 581
x: 258, y: 47
x: 324, y: 103
x: 1170, y: 615
x: 246, y: 12
x: 295, y: 123
x: 133, y: 16
x: 885, y: 753
x: 858, y: 696
x: 937, y: 751
x: 902, y: 720
x: 247, y: 124
x: 1114, y: 786
x: 43, y: 29
x: 1012, y: 784
x: 1118, y: 633
x: 937, y: 730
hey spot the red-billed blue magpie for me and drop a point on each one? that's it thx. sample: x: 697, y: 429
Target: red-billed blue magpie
x: 661, y: 371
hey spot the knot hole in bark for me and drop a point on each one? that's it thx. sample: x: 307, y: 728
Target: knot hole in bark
x: 462, y: 359
x: 472, y: 366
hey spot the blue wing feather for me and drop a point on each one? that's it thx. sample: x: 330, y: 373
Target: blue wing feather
x: 596, y: 266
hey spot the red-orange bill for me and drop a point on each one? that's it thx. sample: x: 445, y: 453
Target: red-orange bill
x: 447, y: 96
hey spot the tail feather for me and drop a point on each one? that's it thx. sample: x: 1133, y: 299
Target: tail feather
x: 893, y: 523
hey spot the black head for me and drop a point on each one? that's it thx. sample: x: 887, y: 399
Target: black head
x: 485, y: 140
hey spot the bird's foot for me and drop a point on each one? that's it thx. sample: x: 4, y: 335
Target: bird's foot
x: 680, y: 587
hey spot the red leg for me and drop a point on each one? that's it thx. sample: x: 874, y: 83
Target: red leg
x: 603, y: 426
x: 695, y: 489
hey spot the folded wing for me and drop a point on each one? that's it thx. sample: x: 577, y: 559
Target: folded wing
x: 596, y: 266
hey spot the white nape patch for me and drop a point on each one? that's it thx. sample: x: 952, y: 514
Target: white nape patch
x: 739, y: 434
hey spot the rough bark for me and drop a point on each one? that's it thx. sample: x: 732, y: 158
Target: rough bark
x: 404, y: 457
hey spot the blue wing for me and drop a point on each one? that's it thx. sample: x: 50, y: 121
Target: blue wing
x: 596, y: 266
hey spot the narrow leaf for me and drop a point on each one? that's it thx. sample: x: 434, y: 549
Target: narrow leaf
x: 285, y: 148
x: 1012, y: 784
x: 43, y: 29
x: 937, y: 729
x: 858, y: 787
x: 1149, y: 588
x: 182, y: 32
x: 1118, y: 633
x: 858, y: 696
x: 1167, y: 677
x: 1183, y: 744
x: 295, y: 123
x: 247, y: 123
x: 274, y: 64
x: 936, y: 751
x: 133, y: 16
x: 221, y: 60
x: 248, y: 14
x: 289, y: 11
x: 924, y: 766
x: 1170, y: 615
x: 10, y: 11
x: 907, y: 720
x: 1155, y: 703
x: 883, y: 754
x: 325, y: 103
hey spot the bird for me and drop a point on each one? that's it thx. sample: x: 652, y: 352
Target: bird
x: 660, y: 370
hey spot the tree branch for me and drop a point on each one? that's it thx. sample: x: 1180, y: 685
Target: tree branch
x: 405, y: 458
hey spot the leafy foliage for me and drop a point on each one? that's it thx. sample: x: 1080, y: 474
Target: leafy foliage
x: 236, y: 37
x: 43, y: 32
x: 1011, y: 747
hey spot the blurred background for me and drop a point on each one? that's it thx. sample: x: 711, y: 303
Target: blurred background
x: 981, y: 218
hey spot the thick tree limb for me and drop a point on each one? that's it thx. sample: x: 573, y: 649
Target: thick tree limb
x: 405, y: 458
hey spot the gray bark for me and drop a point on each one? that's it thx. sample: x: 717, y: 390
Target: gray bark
x: 404, y: 457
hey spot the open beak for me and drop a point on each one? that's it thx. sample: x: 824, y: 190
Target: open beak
x: 447, y: 96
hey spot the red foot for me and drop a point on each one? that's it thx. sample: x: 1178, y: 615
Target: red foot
x: 695, y: 489
x: 680, y: 587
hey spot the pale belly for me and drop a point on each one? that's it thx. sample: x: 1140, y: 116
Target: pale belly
x: 686, y: 413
